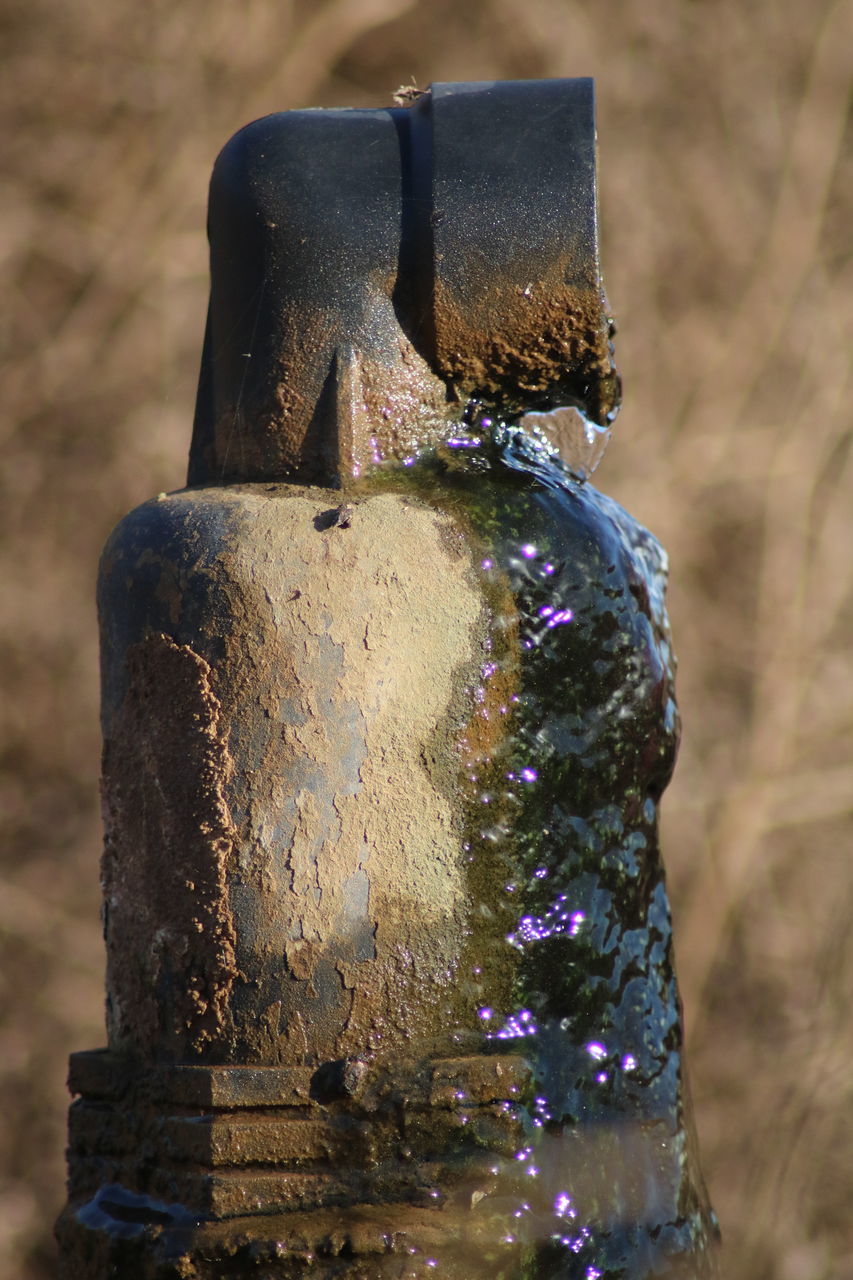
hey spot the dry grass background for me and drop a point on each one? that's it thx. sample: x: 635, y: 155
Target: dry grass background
x: 726, y: 201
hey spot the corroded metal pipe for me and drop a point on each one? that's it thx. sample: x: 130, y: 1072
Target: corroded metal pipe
x: 387, y: 712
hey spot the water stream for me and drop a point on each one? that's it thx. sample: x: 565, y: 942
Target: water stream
x: 570, y: 956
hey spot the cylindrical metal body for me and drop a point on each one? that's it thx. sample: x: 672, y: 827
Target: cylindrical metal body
x: 390, y: 986
x: 310, y: 883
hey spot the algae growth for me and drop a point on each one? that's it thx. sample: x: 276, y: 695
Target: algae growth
x: 569, y: 961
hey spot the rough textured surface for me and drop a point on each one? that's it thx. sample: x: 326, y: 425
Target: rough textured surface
x: 406, y: 407
x: 371, y: 409
x: 360, y: 295
x: 340, y: 659
x: 405, y: 885
x: 168, y: 844
x: 545, y: 344
x: 413, y: 1164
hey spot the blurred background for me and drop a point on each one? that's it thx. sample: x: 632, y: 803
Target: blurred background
x: 726, y: 190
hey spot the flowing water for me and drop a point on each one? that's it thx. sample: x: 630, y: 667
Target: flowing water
x: 570, y: 955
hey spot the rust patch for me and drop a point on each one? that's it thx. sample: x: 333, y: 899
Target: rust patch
x: 316, y: 707
x: 168, y: 841
x: 407, y: 408
x: 330, y: 413
x: 546, y: 340
x: 339, y: 681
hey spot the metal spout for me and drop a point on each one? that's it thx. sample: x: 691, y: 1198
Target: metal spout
x: 374, y: 271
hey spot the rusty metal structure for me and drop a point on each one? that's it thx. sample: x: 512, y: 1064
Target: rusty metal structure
x: 387, y: 713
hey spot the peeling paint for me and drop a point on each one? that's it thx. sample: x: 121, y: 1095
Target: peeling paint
x: 336, y: 657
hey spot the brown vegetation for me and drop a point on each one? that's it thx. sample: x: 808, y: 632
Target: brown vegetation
x: 726, y: 208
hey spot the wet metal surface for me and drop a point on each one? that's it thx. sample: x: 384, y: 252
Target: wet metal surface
x: 563, y: 849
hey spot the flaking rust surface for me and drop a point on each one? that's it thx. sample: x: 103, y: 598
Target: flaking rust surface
x: 350, y: 846
x: 168, y: 840
x: 406, y: 406
x: 291, y: 763
x: 533, y: 343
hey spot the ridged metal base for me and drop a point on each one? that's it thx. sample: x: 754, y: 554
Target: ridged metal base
x: 196, y: 1171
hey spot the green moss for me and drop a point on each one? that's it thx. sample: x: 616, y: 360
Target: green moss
x: 570, y: 946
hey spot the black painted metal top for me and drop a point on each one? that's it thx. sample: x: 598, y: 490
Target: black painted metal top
x: 372, y: 271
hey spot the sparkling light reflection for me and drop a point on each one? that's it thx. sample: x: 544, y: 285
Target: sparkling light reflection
x: 516, y: 1026
x: 558, y: 921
